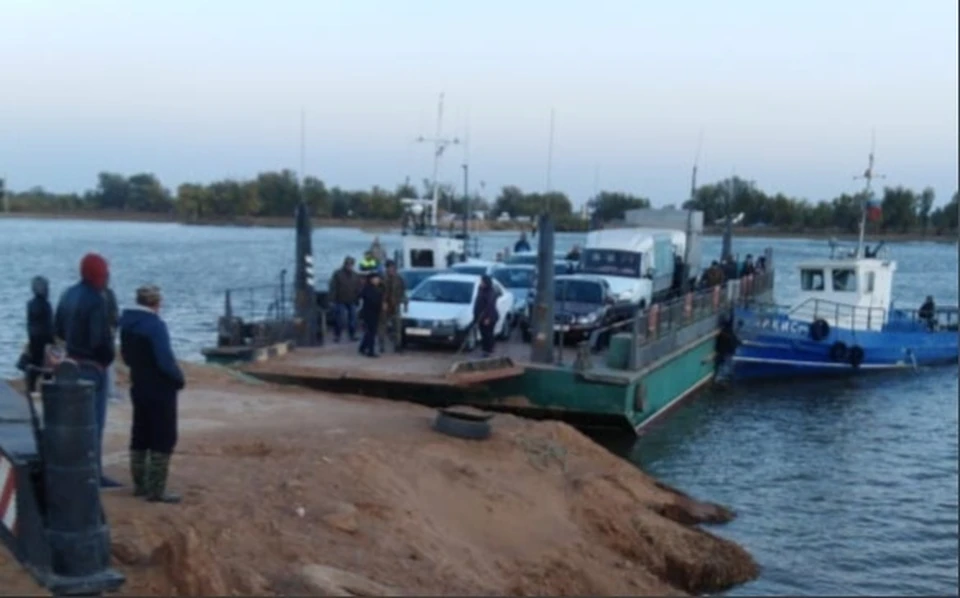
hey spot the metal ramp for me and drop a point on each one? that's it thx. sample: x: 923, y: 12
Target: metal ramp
x: 474, y: 371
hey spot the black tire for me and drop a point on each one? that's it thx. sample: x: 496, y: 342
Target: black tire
x: 461, y: 427
x: 838, y: 351
x: 819, y: 330
x: 855, y: 356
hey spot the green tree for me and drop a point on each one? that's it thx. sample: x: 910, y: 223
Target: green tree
x: 926, y: 199
x: 899, y: 209
x: 609, y: 205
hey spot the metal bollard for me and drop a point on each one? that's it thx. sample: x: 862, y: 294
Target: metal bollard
x: 76, y: 527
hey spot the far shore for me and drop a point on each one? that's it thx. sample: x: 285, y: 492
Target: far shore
x: 380, y: 226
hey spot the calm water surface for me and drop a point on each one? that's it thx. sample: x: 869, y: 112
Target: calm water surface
x: 841, y: 488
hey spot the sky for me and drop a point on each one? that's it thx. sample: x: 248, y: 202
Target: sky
x: 785, y: 94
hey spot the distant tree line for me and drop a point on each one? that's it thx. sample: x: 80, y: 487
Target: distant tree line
x: 276, y: 194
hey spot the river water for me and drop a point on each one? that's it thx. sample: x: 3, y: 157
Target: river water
x: 841, y: 487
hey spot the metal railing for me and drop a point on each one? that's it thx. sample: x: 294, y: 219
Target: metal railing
x: 693, y: 310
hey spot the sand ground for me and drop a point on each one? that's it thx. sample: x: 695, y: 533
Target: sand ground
x: 294, y: 492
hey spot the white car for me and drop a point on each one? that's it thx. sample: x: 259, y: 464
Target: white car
x: 440, y: 310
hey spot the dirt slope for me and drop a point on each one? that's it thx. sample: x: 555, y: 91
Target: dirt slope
x: 291, y: 492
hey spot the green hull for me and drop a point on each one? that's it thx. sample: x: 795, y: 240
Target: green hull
x: 628, y: 400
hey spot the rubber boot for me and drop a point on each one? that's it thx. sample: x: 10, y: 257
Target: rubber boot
x: 138, y: 472
x: 158, y: 467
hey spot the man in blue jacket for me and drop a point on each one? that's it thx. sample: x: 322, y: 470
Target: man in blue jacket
x: 82, y: 323
x: 155, y: 380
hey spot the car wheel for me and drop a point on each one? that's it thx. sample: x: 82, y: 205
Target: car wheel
x: 504, y: 331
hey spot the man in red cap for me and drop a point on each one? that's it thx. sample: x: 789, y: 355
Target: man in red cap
x: 82, y: 322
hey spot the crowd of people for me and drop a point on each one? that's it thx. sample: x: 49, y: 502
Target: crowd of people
x: 376, y: 293
x: 84, y: 328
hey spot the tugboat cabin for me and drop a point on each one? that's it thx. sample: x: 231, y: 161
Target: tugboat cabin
x: 854, y: 294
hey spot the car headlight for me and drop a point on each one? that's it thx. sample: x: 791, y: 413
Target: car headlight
x: 588, y: 319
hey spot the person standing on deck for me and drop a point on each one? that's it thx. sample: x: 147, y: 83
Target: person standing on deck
x: 371, y: 308
x: 369, y: 263
x: 155, y: 380
x: 113, y: 316
x: 928, y: 312
x: 82, y: 322
x: 344, y: 293
x: 377, y: 251
x: 39, y: 328
x: 394, y: 297
x: 574, y: 254
x: 522, y: 244
x: 485, y: 314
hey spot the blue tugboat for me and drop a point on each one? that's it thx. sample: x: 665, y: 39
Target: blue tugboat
x: 844, y: 321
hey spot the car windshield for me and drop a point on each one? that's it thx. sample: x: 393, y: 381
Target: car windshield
x: 515, y: 278
x: 611, y: 261
x: 578, y: 291
x: 479, y: 270
x: 435, y: 290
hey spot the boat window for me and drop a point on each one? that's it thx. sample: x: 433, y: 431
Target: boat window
x: 845, y: 280
x: 871, y: 280
x: 433, y: 290
x: 421, y: 258
x: 811, y: 279
x: 614, y: 262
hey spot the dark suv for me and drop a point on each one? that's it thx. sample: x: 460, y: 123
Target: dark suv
x: 582, y: 304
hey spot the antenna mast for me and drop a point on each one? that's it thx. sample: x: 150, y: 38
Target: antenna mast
x: 303, y: 144
x: 439, y: 144
x: 867, y: 176
x: 693, y: 196
x: 550, y: 160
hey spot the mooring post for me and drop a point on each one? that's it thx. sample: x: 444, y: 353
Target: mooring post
x: 306, y: 292
x: 76, y: 526
x: 635, y: 333
x: 541, y: 346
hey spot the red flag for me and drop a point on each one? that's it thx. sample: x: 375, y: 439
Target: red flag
x: 874, y: 213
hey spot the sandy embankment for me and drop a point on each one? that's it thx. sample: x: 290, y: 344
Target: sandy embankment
x: 296, y: 493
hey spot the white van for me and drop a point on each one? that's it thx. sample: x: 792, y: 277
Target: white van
x: 637, y: 263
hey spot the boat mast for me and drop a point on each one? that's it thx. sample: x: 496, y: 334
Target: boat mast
x: 439, y: 144
x: 868, y: 176
x: 690, y: 208
x: 550, y: 161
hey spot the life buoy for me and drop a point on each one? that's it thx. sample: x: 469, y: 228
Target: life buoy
x: 856, y: 356
x: 838, y: 351
x: 819, y: 330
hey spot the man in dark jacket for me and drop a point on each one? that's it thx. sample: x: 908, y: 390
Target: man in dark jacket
x: 82, y: 322
x: 485, y: 314
x: 344, y: 293
x: 39, y: 328
x: 155, y: 380
x: 522, y: 244
x: 394, y: 298
x: 371, y: 298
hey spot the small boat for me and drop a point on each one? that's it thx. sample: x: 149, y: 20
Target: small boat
x: 844, y: 321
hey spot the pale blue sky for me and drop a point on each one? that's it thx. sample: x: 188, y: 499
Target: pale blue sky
x: 786, y: 92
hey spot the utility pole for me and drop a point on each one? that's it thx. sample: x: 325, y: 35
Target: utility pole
x: 439, y: 144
